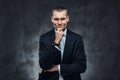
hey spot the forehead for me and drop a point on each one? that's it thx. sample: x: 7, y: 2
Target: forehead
x: 62, y: 13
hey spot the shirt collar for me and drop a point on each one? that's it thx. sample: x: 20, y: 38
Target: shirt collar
x: 65, y: 32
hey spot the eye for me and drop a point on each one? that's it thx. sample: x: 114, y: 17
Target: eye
x: 62, y: 18
x: 56, y: 19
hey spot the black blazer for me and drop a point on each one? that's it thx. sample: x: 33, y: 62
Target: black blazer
x: 74, y: 58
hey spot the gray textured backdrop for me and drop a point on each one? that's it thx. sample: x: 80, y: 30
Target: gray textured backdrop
x: 23, y: 21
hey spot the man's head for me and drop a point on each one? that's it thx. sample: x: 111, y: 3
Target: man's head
x: 59, y: 17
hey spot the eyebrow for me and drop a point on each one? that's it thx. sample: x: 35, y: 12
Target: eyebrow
x: 59, y: 18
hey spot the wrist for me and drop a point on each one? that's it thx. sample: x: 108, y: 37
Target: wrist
x: 55, y: 43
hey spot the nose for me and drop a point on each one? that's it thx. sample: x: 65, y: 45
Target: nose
x: 59, y: 21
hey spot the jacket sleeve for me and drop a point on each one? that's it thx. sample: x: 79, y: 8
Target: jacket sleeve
x: 79, y: 65
x: 47, y: 54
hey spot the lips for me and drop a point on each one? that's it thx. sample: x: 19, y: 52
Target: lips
x: 59, y: 26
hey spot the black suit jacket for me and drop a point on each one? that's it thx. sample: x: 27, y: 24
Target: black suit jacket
x: 74, y: 58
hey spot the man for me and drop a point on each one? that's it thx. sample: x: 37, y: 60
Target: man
x: 61, y: 53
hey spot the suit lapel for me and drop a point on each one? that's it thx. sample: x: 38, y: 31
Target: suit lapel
x: 66, y: 48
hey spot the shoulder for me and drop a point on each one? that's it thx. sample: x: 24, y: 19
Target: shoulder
x: 75, y: 35
x: 47, y: 34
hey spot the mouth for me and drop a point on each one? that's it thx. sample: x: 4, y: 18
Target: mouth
x: 59, y: 26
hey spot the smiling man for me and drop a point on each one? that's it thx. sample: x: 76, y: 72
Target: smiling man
x: 61, y: 52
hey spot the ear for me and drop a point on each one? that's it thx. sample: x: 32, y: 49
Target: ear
x: 51, y: 18
x: 68, y: 19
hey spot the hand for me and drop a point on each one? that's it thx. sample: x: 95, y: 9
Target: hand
x: 53, y: 69
x: 58, y: 35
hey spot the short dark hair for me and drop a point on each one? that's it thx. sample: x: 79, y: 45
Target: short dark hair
x: 59, y: 8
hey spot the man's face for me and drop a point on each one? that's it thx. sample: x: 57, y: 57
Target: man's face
x: 60, y: 19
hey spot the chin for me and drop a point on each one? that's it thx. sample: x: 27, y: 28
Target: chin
x: 59, y: 27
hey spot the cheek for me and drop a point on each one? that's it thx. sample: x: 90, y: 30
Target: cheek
x: 65, y: 22
x: 54, y: 22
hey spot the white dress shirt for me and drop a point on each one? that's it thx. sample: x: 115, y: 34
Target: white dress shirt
x: 62, y: 45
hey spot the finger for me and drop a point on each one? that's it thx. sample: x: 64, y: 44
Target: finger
x: 59, y: 29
